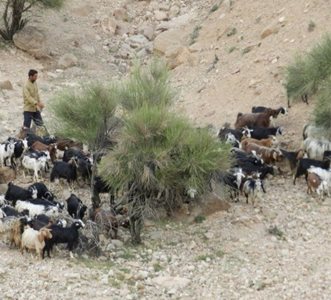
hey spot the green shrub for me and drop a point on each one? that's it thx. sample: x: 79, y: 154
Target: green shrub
x: 52, y: 3
x: 322, y: 112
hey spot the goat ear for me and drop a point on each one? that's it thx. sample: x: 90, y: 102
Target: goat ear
x: 41, y: 235
x: 274, y: 155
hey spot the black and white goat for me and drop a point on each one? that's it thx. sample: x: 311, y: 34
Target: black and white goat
x: 6, y: 152
x: 252, y: 189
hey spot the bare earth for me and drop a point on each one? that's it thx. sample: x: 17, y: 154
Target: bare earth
x: 230, y: 255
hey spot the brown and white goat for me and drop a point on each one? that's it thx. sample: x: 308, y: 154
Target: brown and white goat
x: 35, y: 240
x: 269, y: 155
x: 252, y: 120
x: 39, y: 146
x: 269, y: 142
x: 316, y: 185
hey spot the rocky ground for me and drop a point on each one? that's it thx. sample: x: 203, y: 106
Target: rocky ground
x: 224, y: 59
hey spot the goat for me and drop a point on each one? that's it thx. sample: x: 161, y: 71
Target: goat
x: 312, y: 131
x: 66, y: 170
x: 269, y: 142
x: 73, y: 205
x: 42, y: 191
x: 36, y: 209
x: 260, y: 109
x: 62, y: 235
x: 237, y: 133
x: 264, y: 133
x: 254, y: 120
x: 6, y: 152
x: 315, y: 148
x: 38, y: 146
x: 316, y: 184
x: 233, y: 180
x: 269, y: 155
x: 8, y: 227
x: 39, y: 221
x: 252, y: 189
x: 15, y: 192
x: 64, y: 143
x: 100, y: 187
x: 291, y: 158
x: 305, y: 163
x: 20, y: 147
x: 35, y: 164
x: 35, y: 240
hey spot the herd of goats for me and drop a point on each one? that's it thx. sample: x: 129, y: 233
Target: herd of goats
x: 30, y: 217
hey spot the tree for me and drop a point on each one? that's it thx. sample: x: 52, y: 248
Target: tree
x: 88, y: 116
x: 14, y: 11
x: 161, y: 160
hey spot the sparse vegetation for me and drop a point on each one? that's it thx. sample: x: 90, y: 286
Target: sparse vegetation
x: 199, y: 219
x: 231, y: 31
x: 204, y: 257
x: 311, y: 26
x: 322, y: 112
x: 231, y: 49
x: 274, y: 230
x: 157, y: 267
x: 215, y: 7
x: 310, y: 75
x: 195, y: 34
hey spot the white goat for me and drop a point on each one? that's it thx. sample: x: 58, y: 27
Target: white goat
x: 35, y: 164
x: 35, y: 240
x: 37, y: 209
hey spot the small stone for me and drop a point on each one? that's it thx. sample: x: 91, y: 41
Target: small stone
x: 6, y: 85
x: 160, y: 15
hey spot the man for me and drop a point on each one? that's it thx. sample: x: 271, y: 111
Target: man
x: 32, y: 104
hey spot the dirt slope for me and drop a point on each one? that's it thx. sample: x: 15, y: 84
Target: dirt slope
x: 231, y: 255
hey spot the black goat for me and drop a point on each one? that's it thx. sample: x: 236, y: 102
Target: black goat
x: 62, y: 235
x: 66, y: 170
x: 260, y: 133
x: 15, y: 193
x: 74, y: 205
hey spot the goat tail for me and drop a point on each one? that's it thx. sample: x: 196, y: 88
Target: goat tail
x: 239, y: 115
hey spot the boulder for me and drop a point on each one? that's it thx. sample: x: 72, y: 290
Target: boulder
x: 269, y: 30
x: 160, y: 15
x: 121, y: 14
x: 32, y: 40
x: 147, y: 31
x: 138, y: 41
x: 178, y: 56
x: 108, y: 25
x: 6, y: 85
x: 67, y: 60
x: 167, y: 40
